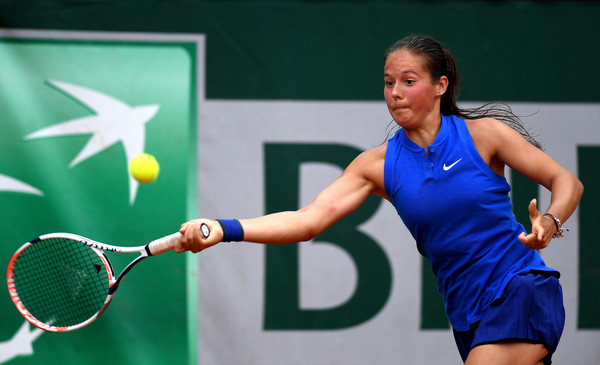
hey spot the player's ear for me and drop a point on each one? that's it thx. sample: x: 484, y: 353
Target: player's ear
x: 442, y: 85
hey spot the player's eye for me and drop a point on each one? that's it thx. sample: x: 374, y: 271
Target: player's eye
x: 389, y: 83
x: 409, y: 82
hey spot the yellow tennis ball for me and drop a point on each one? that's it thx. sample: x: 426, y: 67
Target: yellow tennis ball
x: 144, y: 168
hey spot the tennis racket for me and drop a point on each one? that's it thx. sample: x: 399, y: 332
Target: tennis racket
x: 62, y: 282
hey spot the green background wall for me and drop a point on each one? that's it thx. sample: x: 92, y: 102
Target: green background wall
x: 332, y: 50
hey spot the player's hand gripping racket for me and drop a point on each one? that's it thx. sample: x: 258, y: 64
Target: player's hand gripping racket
x: 62, y: 282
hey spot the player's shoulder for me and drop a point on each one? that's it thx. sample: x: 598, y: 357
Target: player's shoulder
x: 486, y: 123
x: 369, y: 166
x: 488, y: 129
x: 372, y: 155
x: 370, y: 162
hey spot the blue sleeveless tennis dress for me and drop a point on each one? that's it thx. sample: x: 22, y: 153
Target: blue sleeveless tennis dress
x: 460, y: 214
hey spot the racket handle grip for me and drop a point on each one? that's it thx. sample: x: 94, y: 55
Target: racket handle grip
x: 164, y: 244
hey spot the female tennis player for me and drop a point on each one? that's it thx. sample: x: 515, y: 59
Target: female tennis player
x: 443, y: 171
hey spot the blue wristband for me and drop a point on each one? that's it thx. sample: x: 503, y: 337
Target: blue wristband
x: 232, y: 230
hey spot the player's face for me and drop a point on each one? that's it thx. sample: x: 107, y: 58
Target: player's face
x: 410, y: 94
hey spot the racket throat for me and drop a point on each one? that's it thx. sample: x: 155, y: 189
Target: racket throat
x: 113, y: 288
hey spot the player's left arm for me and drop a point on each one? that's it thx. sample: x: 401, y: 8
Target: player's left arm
x: 503, y: 145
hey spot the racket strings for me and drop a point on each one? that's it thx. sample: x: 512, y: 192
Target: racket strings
x: 61, y: 282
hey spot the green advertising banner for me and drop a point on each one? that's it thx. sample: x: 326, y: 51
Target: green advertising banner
x: 74, y: 110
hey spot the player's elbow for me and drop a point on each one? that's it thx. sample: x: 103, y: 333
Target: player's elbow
x: 314, y: 222
x: 577, y: 185
x: 311, y: 233
x: 580, y: 188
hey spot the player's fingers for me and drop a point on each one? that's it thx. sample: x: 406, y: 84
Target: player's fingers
x: 540, y: 234
x: 186, y: 240
x: 195, y: 243
x: 180, y: 246
x: 533, y: 241
x: 524, y: 238
x: 185, y: 225
x: 198, y: 234
x: 528, y: 240
x: 532, y: 208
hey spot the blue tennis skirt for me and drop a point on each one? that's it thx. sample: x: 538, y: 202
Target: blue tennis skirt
x: 531, y: 310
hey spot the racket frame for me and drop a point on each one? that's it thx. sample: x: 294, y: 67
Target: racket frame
x: 98, y: 248
x: 153, y: 248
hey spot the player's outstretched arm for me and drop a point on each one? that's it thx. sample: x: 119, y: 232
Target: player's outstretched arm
x: 363, y: 177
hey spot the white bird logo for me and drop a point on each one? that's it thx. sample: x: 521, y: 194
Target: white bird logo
x: 8, y: 183
x: 114, y: 122
x: 20, y: 344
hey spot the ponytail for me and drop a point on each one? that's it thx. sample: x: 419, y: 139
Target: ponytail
x: 448, y: 102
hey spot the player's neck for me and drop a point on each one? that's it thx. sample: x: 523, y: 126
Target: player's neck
x: 425, y: 134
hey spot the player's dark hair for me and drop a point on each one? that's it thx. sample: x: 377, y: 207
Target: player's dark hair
x: 440, y: 62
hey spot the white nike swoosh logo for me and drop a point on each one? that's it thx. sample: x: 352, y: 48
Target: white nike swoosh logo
x: 446, y: 168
